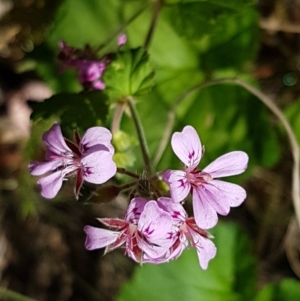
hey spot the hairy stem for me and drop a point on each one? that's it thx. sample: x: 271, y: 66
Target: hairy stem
x: 157, y: 8
x: 128, y: 173
x: 140, y: 134
x: 115, y: 126
x: 268, y: 102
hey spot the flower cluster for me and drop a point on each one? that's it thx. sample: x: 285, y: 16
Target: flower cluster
x: 154, y: 230
x: 87, y: 65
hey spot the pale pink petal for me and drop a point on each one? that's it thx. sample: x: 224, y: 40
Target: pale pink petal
x: 187, y: 146
x: 179, y: 187
x: 154, y: 222
x: 135, y: 209
x: 215, y: 197
x: 152, y: 250
x: 229, y: 164
x: 99, y: 238
x: 40, y: 168
x: 98, y: 167
x: 51, y: 184
x: 206, y: 250
x: 55, y: 142
x: 205, y: 215
x: 234, y: 193
x: 175, y: 209
x: 95, y: 136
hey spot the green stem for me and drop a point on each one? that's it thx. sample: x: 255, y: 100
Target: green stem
x: 141, y: 135
x: 115, y: 127
x: 157, y: 8
x: 128, y: 173
x: 122, y: 27
x: 13, y: 296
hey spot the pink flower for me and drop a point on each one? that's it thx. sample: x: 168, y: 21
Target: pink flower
x: 210, y: 196
x: 145, y: 232
x: 187, y: 233
x: 89, y: 70
x: 90, y: 159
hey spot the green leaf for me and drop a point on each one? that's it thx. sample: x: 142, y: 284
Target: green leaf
x: 79, y: 111
x: 195, y: 19
x: 223, y: 118
x: 81, y: 22
x: 287, y: 289
x: 230, y: 276
x: 235, y: 44
x: 129, y: 74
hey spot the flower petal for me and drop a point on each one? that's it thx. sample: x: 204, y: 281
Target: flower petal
x: 55, y: 142
x: 215, y: 197
x: 40, y: 168
x: 206, y: 250
x: 187, y: 146
x: 179, y: 187
x: 234, y: 193
x: 135, y: 209
x: 98, y: 167
x: 99, y: 238
x: 229, y: 164
x: 177, y: 211
x: 205, y: 215
x: 95, y: 136
x: 155, y: 223
x: 51, y: 184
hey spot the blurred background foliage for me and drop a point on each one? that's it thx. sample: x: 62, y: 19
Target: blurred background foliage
x: 194, y: 41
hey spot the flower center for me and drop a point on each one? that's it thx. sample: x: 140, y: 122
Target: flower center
x: 198, y: 177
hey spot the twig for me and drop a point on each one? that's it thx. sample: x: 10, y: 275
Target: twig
x: 268, y: 102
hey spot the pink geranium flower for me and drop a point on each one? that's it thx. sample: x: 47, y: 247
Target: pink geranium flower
x: 188, y: 233
x: 144, y: 232
x: 210, y: 196
x: 90, y: 159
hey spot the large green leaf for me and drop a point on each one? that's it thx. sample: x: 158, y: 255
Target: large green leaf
x: 230, y: 276
x: 79, y: 111
x: 81, y: 22
x: 195, y: 19
x: 235, y: 44
x: 129, y: 74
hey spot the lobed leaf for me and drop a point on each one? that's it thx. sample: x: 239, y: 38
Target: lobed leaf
x: 79, y: 111
x: 129, y: 74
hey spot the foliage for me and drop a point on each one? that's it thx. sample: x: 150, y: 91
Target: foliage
x: 192, y: 43
x: 73, y: 109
